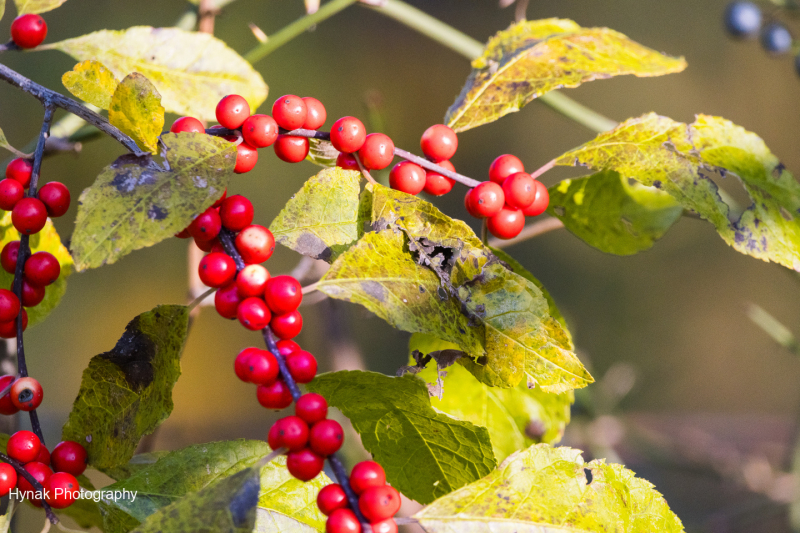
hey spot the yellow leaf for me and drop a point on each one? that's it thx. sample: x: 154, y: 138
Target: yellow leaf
x: 136, y: 110
x: 35, y: 6
x: 92, y: 82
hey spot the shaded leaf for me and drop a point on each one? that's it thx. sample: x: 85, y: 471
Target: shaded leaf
x: 138, y: 462
x: 92, y: 82
x: 192, y: 71
x: 612, y: 215
x: 531, y: 58
x: 546, y: 489
x: 36, y: 6
x: 135, y: 203
x: 322, y: 153
x: 425, y: 454
x: 136, y: 110
x: 127, y: 392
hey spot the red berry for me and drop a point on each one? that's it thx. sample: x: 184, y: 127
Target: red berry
x: 232, y: 111
x: 44, y: 456
x: 42, y: 268
x: 8, y: 330
x: 439, y: 142
x: 26, y: 394
x: 252, y: 281
x: 304, y: 464
x: 365, y: 475
x: 287, y: 347
x: 24, y: 446
x: 255, y: 244
x: 274, y: 396
x: 217, y: 270
x: 227, y: 300
x: 187, y: 124
x: 62, y: 490
x: 9, y: 305
x: 183, y: 234
x: 316, y: 115
x: 302, y: 366
x: 240, y: 366
x: 274, y: 437
x: 330, y: 498
x: 69, y: 456
x: 326, y: 437
x: 29, y: 216
x: 246, y: 158
x: 287, y: 325
x: 348, y: 134
x: 219, y: 200
x: 55, y: 197
x: 207, y: 246
x: 206, y: 226
x: 260, y: 131
x: 8, y: 479
x: 293, y: 432
x: 283, y: 294
x: 7, y: 407
x: 384, y: 526
x: 20, y: 170
x: 346, y: 161
x: 379, y: 503
x: 520, y: 190
x: 262, y: 367
x: 377, y: 152
x: 503, y: 167
x: 40, y: 473
x: 32, y: 295
x: 290, y: 112
x: 507, y: 223
x: 540, y: 201
x: 311, y: 407
x: 28, y: 31
x: 437, y: 184
x: 8, y: 258
x: 291, y: 148
x: 485, y: 200
x: 342, y: 521
x: 11, y: 192
x: 253, y: 313
x: 407, y: 177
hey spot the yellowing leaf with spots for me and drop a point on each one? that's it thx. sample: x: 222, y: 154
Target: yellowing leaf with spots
x: 36, y: 6
x: 92, y: 82
x: 136, y: 110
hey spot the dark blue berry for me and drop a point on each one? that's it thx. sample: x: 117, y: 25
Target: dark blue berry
x: 776, y: 39
x: 742, y: 19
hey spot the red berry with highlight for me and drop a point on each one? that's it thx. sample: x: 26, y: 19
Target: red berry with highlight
x: 246, y: 158
x: 274, y: 396
x: 283, y: 294
x: 485, y: 200
x: 342, y: 521
x: 7, y: 407
x: 346, y: 161
x: 287, y: 347
x: 365, y: 475
x: 236, y: 212
x: 24, y: 446
x: 326, y: 437
x: 227, y: 300
x: 377, y: 152
x: 252, y: 281
x: 69, y: 456
x: 293, y: 432
x: 55, y: 197
x: 260, y: 131
x: 29, y: 216
x: 379, y: 503
x: 302, y: 366
x: 42, y: 268
x: 507, y: 223
x: 316, y: 115
x: 8, y: 257
x: 20, y: 170
x: 384, y: 526
x: 26, y: 394
x: 28, y: 31
x: 217, y: 270
x: 206, y: 226
x: 348, y: 134
x: 187, y: 124
x: 290, y: 112
x: 437, y: 184
x: 503, y: 167
x: 311, y: 407
x: 9, y: 305
x: 540, y: 201
x: 232, y: 111
x: 407, y: 177
x: 253, y: 314
x: 519, y: 189
x: 330, y: 498
x: 439, y: 142
x: 287, y: 325
x: 62, y: 490
x: 8, y: 478
x: 304, y: 464
x: 262, y: 367
x: 255, y: 244
x: 11, y: 192
x: 291, y: 148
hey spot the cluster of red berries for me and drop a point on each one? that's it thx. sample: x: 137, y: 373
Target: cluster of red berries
x: 28, y: 31
x: 439, y: 144
x: 68, y: 460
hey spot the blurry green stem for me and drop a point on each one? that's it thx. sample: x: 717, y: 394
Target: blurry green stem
x: 772, y: 327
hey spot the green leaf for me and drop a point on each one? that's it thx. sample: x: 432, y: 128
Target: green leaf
x: 322, y: 153
x: 4, y: 142
x: 269, y: 521
x: 323, y: 218
x: 499, y: 318
x: 546, y: 489
x: 531, y: 58
x: 127, y: 392
x: 192, y: 71
x: 134, y: 203
x: 36, y: 6
x: 84, y: 511
x: 425, y: 454
x: 290, y: 497
x: 611, y: 214
x: 136, y: 110
x: 2, y: 12
x: 46, y: 240
x: 92, y: 82
x: 505, y: 413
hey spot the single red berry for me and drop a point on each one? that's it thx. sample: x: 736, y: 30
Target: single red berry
x: 540, y: 201
x: 503, y: 167
x: 326, y: 437
x: 69, y: 456
x: 384, y: 526
x: 316, y: 115
x: 311, y: 407
x: 217, y: 270
x: 246, y: 158
x: 379, y: 503
x: 304, y: 464
x: 232, y: 111
x: 342, y: 521
x: 260, y: 131
x: 26, y: 394
x: 7, y: 407
x: 346, y: 161
x: 40, y: 473
x: 283, y: 294
x: 274, y: 436
x: 293, y: 432
x: 61, y: 490
x: 407, y: 177
x: 348, y: 134
x: 439, y: 142
x: 302, y: 366
x: 330, y: 498
x: 28, y: 31
x: 287, y: 325
x: 220, y: 199
x: 377, y: 152
x: 227, y: 300
x: 252, y: 281
x: 8, y: 478
x: 24, y: 446
x: 9, y: 305
x: 8, y: 257
x: 20, y: 170
x: 253, y: 314
x: 437, y: 184
x: 207, y: 246
x: 44, y: 456
x: 240, y: 366
x: 519, y: 189
x: 206, y: 226
x: 8, y: 330
x: 290, y: 112
x: 287, y: 347
x: 42, y: 268
x: 32, y: 295
x: 485, y: 200
x: 55, y: 197
x: 11, y: 192
x: 255, y: 244
x: 507, y: 223
x: 236, y: 212
x: 29, y: 216
x: 187, y: 124
x: 365, y: 475
x: 291, y: 148
x: 274, y: 396
x: 262, y: 367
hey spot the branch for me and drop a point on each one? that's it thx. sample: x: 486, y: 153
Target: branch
x: 9, y: 46
x: 529, y: 232
x: 207, y: 14
x: 20, y: 468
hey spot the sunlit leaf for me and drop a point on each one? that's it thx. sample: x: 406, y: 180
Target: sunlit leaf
x: 322, y: 153
x: 136, y: 110
x: 36, y: 6
x: 2, y: 12
x: 92, y: 82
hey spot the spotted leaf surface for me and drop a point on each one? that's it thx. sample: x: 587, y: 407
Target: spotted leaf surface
x: 136, y: 110
x: 92, y: 82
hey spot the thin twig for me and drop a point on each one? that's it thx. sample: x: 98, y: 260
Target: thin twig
x: 207, y: 14
x: 364, y: 171
x: 197, y: 301
x: 529, y: 232
x: 308, y: 289
x: 544, y: 168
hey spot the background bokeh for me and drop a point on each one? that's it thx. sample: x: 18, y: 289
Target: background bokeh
x: 673, y: 315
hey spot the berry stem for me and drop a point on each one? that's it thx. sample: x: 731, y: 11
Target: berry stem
x: 424, y: 163
x: 544, y: 168
x: 20, y: 468
x: 364, y: 171
x: 529, y: 232
x: 306, y: 290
